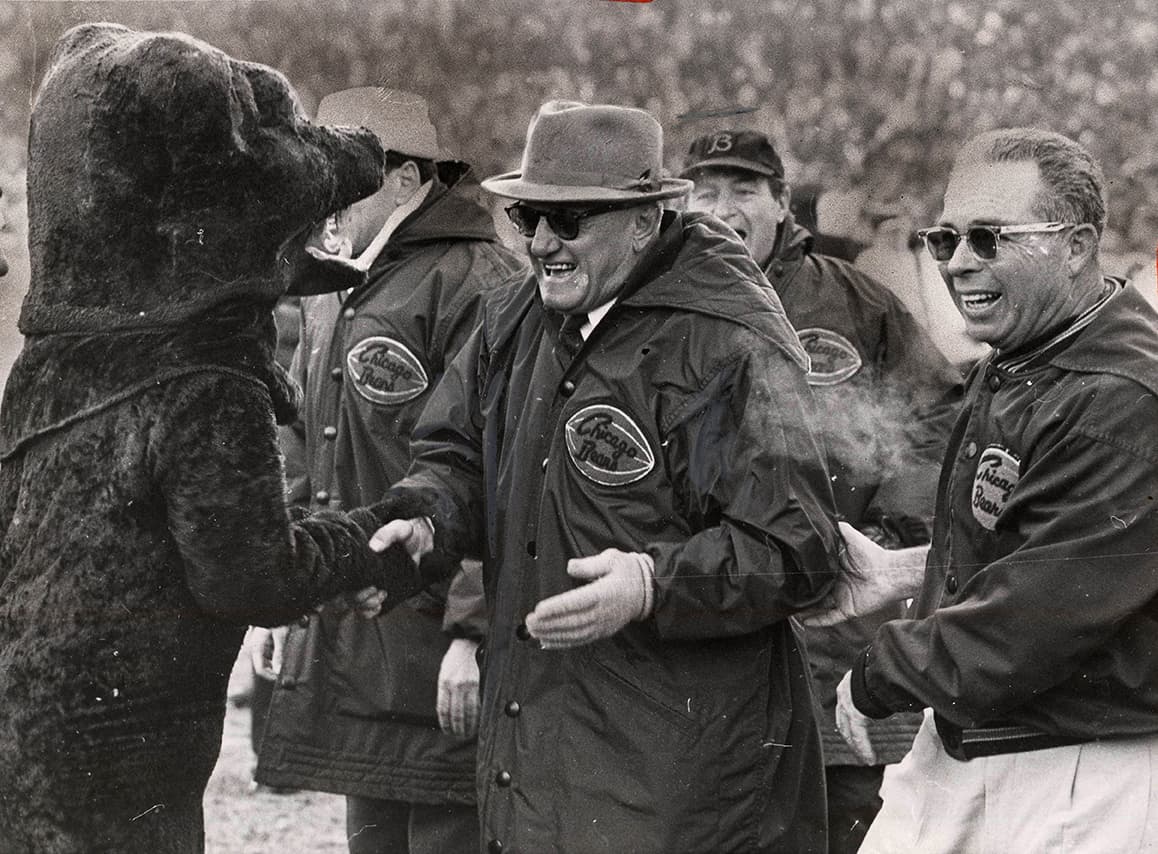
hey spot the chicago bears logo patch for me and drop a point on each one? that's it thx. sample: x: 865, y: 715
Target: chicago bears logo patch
x: 607, y: 446
x: 834, y: 358
x: 998, y: 472
x: 386, y: 371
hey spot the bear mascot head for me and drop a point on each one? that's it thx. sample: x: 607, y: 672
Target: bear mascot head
x: 142, y: 507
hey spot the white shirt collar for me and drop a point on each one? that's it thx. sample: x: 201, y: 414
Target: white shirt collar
x: 593, y: 318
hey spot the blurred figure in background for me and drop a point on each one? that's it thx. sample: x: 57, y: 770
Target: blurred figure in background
x: 886, y: 399
x: 3, y: 227
x: 384, y: 711
x: 895, y: 192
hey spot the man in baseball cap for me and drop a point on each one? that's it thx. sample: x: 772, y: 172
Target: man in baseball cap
x: 384, y: 710
x: 626, y: 439
x: 887, y: 398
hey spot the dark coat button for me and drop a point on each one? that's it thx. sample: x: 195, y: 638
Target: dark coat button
x: 567, y: 388
x: 349, y: 314
x: 289, y: 683
x: 970, y: 450
x: 494, y: 847
x: 951, y: 584
x: 522, y: 632
x: 304, y: 621
x: 994, y: 382
x: 532, y: 549
x: 503, y: 778
x: 336, y: 374
x: 513, y: 709
x: 544, y: 463
x: 330, y: 432
x: 322, y: 497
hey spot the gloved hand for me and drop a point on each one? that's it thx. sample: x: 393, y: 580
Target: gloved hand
x: 852, y: 724
x: 458, y: 700
x: 266, y: 649
x: 621, y: 590
x: 416, y: 536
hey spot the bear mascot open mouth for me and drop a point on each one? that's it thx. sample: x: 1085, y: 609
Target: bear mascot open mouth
x: 142, y: 512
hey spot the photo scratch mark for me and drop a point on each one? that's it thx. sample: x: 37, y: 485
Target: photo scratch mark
x: 722, y: 112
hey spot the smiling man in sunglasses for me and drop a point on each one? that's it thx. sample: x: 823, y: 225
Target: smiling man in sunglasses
x: 627, y: 439
x: 1032, y: 639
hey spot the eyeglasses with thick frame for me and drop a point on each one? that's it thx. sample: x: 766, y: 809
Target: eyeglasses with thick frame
x: 942, y: 241
x: 563, y: 221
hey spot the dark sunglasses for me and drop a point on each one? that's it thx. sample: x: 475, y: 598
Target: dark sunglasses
x: 942, y: 241
x: 563, y: 221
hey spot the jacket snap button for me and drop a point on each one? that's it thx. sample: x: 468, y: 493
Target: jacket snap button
x: 951, y: 584
x: 994, y: 382
x: 304, y: 621
x: 348, y: 314
x: 522, y: 632
x: 544, y: 463
x: 330, y: 432
x: 289, y: 683
x: 513, y: 709
x: 970, y: 450
x: 322, y: 497
x: 503, y: 778
x: 568, y: 388
x: 494, y: 847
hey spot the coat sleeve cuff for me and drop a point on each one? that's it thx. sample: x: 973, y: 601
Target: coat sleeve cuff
x: 862, y: 698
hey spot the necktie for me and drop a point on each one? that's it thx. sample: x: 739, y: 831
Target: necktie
x: 570, y: 339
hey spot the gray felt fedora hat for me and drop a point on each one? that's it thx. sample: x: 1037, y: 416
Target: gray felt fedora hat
x: 400, y: 120
x: 590, y: 153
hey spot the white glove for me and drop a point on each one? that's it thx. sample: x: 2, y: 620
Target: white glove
x: 266, y: 650
x: 852, y: 724
x: 458, y: 700
x: 621, y: 590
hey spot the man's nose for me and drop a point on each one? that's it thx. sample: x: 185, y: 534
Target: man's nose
x: 963, y: 260
x: 545, y: 241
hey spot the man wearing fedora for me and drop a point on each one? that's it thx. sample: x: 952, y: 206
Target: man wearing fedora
x: 627, y: 442
x: 384, y: 710
x: 887, y: 399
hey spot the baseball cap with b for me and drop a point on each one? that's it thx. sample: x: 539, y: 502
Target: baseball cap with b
x: 735, y: 149
x: 400, y: 120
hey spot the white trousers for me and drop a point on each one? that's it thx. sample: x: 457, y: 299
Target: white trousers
x: 1099, y: 797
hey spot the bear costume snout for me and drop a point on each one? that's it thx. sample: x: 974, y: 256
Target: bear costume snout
x: 164, y: 178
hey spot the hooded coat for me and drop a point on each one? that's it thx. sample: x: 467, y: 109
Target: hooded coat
x: 142, y: 514
x: 354, y: 709
x: 681, y: 428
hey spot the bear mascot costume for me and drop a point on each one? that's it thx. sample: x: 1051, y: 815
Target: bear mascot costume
x: 142, y: 514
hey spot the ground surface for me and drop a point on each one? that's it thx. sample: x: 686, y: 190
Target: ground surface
x: 239, y: 821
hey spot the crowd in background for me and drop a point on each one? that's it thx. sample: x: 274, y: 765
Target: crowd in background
x: 867, y: 99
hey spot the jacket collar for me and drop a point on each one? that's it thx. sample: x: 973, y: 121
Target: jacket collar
x: 1115, y: 336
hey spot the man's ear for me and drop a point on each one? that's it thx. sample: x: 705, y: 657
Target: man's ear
x: 1083, y: 247
x: 409, y: 180
x: 785, y: 200
x: 645, y: 225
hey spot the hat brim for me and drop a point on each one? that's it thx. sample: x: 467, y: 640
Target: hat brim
x: 732, y: 163
x: 512, y: 186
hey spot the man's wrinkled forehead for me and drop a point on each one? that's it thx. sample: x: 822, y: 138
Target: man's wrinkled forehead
x: 988, y: 192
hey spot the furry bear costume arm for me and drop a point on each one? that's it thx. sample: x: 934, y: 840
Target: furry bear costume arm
x: 245, y: 562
